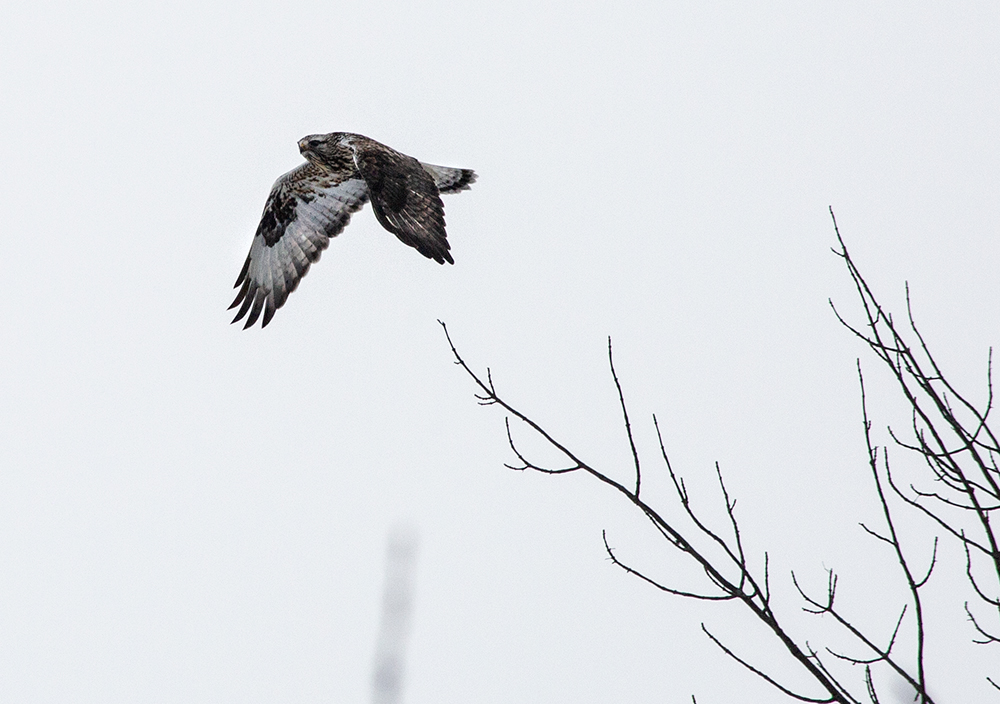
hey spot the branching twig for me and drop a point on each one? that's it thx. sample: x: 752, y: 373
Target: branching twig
x: 628, y: 425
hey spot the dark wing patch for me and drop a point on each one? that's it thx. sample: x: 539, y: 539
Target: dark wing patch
x: 306, y: 207
x: 405, y: 200
x: 279, y: 211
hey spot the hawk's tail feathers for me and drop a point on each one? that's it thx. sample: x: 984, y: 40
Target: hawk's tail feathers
x: 450, y: 180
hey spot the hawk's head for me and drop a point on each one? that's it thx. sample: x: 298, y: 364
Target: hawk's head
x: 326, y: 150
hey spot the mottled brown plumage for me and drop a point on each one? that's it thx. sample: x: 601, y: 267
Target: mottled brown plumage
x: 314, y: 202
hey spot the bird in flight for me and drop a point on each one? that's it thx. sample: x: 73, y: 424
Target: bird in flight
x: 314, y: 202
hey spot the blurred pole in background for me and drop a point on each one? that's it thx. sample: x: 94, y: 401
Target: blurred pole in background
x: 397, y: 603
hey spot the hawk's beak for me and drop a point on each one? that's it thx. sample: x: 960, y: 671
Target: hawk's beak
x: 303, y: 144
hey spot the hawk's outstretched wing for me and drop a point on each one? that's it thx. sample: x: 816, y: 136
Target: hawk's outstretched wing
x: 405, y: 199
x: 307, y: 207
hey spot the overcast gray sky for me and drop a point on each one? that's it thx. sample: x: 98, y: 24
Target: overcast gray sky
x: 190, y: 512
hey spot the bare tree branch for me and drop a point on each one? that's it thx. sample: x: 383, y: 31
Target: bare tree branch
x: 614, y: 559
x: 767, y: 678
x: 628, y: 426
x: 912, y: 584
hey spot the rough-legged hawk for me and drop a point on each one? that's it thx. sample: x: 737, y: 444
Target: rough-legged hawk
x: 314, y: 202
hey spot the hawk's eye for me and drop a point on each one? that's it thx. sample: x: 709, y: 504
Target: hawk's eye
x: 313, y: 142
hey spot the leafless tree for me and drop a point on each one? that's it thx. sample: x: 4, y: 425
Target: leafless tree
x: 958, y: 492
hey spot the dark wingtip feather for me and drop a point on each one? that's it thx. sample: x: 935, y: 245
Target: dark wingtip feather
x: 258, y: 305
x: 247, y: 301
x: 268, y: 310
x: 243, y: 272
x: 241, y: 295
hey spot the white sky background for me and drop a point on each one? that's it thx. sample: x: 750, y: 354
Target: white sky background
x: 193, y: 513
